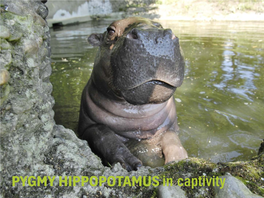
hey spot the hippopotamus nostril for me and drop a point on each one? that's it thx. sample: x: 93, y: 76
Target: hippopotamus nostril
x: 169, y: 33
x: 133, y: 34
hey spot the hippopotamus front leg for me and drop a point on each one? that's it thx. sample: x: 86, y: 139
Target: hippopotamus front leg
x: 106, y: 144
x: 172, y: 148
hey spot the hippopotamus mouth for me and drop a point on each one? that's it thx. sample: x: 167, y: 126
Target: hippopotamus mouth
x: 153, y: 91
x: 155, y: 82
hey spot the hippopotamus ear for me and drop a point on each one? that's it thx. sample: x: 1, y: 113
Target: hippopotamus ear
x: 95, y: 39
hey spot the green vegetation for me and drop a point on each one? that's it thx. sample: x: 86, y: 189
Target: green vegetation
x: 249, y: 172
x: 166, y: 2
x: 132, y: 5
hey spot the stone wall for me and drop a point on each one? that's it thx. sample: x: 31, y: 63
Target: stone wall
x: 64, y: 9
x: 33, y: 145
x: 77, y: 8
x: 65, y: 12
x: 119, y: 5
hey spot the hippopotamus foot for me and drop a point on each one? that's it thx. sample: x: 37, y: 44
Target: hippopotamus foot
x: 104, y: 142
x: 172, y: 147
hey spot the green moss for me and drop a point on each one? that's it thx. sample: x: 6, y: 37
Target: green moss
x: 7, y: 16
x: 252, y: 185
x: 4, y: 45
x: 132, y: 5
x: 191, y: 168
x: 165, y: 2
x: 159, y: 2
x: 249, y: 172
x: 15, y: 37
x: 136, y: 5
x: 4, y: 92
x: 20, y: 22
x: 155, y: 193
x: 122, y: 9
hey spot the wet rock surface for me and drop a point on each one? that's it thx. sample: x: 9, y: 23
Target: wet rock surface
x: 170, y: 192
x: 261, y: 148
x: 234, y: 188
x: 33, y: 145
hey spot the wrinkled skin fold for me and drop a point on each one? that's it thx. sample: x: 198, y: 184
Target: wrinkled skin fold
x: 129, y: 95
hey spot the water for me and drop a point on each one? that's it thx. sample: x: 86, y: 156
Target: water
x: 220, y: 105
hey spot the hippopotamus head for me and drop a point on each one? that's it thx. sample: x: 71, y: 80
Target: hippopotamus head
x: 138, y: 61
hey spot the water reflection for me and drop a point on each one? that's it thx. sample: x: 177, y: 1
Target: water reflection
x: 237, y: 70
x: 220, y: 104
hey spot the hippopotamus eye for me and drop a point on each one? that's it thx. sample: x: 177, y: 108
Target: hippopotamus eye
x: 110, y: 31
x: 158, y: 25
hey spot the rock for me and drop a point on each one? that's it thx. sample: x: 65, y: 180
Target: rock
x: 4, y: 76
x: 235, y: 188
x: 30, y: 46
x: 4, y: 92
x: 261, y: 148
x: 4, y: 33
x: 42, y: 11
x: 4, y: 87
x: 15, y: 37
x: 5, y: 57
x: 4, y: 45
x: 170, y: 192
x: 31, y: 143
x: 14, y: 8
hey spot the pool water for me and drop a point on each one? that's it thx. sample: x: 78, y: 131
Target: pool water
x: 220, y: 105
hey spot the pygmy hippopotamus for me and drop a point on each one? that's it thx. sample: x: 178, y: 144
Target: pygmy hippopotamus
x: 129, y: 95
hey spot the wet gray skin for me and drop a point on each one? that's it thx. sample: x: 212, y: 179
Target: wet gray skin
x: 130, y: 93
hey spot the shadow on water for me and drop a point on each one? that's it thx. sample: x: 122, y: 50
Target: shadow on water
x: 220, y: 105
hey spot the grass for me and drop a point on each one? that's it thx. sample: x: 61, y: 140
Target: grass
x: 165, y: 2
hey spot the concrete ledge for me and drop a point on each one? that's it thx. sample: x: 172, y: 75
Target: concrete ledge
x: 82, y: 19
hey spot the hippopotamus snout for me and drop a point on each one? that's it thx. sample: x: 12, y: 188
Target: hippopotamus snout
x: 147, y: 60
x: 157, y: 42
x: 164, y: 38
